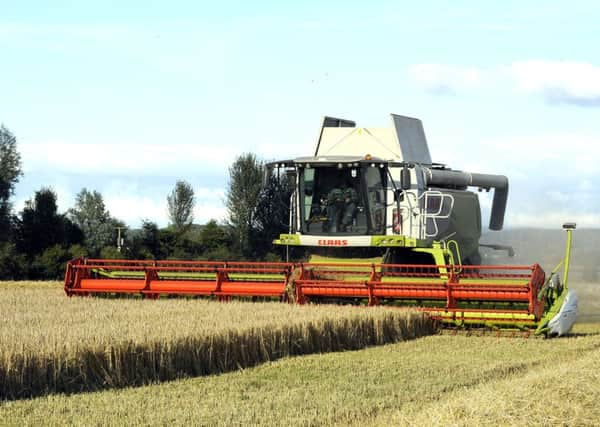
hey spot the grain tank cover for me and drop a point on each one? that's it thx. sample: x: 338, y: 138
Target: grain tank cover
x: 404, y: 141
x: 411, y: 137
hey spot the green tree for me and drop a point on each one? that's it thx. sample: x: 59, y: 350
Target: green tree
x: 10, y: 172
x: 13, y: 265
x: 110, y: 252
x: 146, y: 242
x: 212, y: 235
x: 150, y: 240
x: 78, y: 251
x: 245, y: 181
x: 215, y: 242
x: 50, y: 264
x: 40, y: 226
x: 92, y: 217
x: 272, y: 213
x: 181, y: 203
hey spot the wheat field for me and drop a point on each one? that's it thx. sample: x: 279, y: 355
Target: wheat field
x: 52, y: 343
x: 435, y: 380
x: 440, y: 379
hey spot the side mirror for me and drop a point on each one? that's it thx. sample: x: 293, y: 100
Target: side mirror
x: 405, y: 178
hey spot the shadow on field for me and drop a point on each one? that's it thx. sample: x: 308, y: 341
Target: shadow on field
x: 579, y: 335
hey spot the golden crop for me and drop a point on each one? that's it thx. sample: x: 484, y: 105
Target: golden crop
x: 52, y: 343
x: 436, y: 380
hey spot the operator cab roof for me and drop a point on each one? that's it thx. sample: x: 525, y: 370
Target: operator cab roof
x: 338, y: 159
x: 327, y: 161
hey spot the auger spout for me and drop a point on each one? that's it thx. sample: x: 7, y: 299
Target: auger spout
x: 462, y: 180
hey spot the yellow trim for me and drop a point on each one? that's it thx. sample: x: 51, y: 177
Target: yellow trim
x: 393, y: 241
x: 454, y: 260
x: 287, y: 239
x: 376, y: 241
x: 483, y: 315
x: 567, y: 259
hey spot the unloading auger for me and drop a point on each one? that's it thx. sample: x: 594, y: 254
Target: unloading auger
x: 385, y: 226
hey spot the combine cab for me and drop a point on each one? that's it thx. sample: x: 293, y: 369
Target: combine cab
x: 384, y: 225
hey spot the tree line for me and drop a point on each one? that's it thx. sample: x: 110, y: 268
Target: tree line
x: 37, y: 242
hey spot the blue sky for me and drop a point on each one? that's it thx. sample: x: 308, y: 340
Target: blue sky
x: 128, y: 97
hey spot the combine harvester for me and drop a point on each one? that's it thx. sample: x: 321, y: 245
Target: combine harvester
x: 385, y: 225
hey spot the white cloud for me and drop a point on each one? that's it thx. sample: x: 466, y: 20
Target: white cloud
x: 558, y: 196
x: 133, y: 208
x: 559, y: 81
x: 552, y: 177
x: 205, y: 212
x: 133, y: 203
x: 550, y: 155
x: 134, y: 178
x: 64, y: 197
x: 570, y: 82
x: 446, y: 79
x: 126, y: 158
x: 135, y: 185
x: 166, y: 160
x: 133, y: 200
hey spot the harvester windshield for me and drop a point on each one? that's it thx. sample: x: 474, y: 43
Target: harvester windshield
x: 344, y: 199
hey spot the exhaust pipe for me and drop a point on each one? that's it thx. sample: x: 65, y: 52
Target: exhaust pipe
x: 462, y: 180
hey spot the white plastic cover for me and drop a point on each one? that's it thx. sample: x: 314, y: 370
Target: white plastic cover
x: 562, y: 323
x: 404, y: 141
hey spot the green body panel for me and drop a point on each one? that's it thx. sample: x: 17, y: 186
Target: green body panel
x: 464, y: 225
x: 440, y: 255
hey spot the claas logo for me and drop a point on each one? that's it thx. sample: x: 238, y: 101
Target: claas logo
x: 332, y: 242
